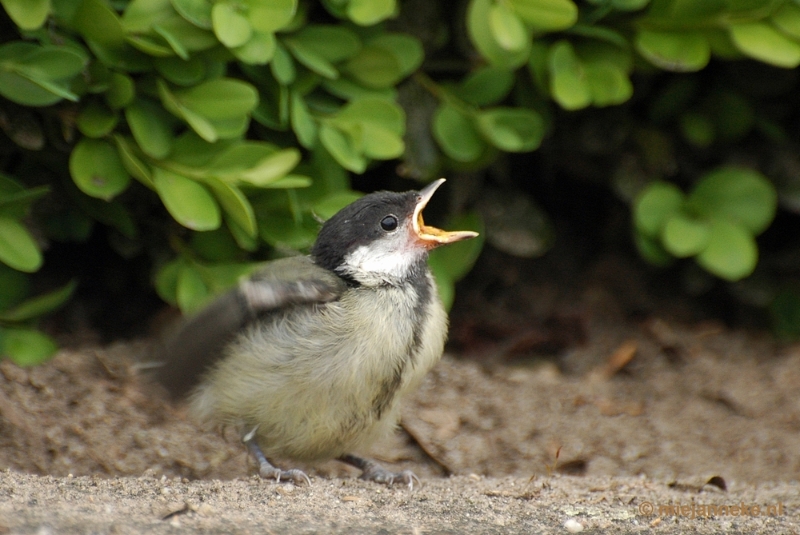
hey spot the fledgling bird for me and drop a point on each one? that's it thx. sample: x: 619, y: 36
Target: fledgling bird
x: 310, y: 357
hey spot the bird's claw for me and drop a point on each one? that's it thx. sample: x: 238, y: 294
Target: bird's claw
x: 298, y: 477
x: 378, y: 474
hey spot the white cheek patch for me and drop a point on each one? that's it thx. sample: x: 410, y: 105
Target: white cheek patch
x: 383, y: 260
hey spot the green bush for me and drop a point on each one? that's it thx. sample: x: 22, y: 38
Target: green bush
x: 242, y: 119
x: 716, y: 223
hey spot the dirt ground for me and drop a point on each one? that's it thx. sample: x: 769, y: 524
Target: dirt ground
x: 591, y: 409
x: 514, y: 448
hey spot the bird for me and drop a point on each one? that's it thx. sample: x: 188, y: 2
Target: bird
x: 310, y: 356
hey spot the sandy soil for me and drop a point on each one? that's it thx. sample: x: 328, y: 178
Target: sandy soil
x: 658, y: 411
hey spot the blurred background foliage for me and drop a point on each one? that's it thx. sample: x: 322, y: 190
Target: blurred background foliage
x: 175, y: 144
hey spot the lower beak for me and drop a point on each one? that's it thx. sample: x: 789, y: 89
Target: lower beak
x: 431, y: 237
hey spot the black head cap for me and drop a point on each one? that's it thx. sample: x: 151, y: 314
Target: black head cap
x: 361, y: 223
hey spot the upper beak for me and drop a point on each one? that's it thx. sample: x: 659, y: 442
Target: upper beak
x: 431, y: 237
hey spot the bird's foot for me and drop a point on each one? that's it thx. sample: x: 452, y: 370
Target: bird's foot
x: 266, y: 470
x: 372, y: 471
x: 298, y: 477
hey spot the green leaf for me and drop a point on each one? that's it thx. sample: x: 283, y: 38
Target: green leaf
x: 39, y: 305
x: 690, y: 10
x: 512, y: 129
x: 608, y: 84
x: 27, y: 14
x: 133, y: 164
x: 198, y: 12
x: 282, y: 66
x: 222, y: 276
x: 202, y: 126
x: 38, y: 75
x: 215, y: 245
x: 482, y: 37
x: 180, y: 71
x: 456, y: 134
x: 629, y: 5
x: 191, y: 150
x: 331, y: 204
x: 458, y: 258
x: 184, y: 37
x: 189, y: 202
x: 231, y: 26
x: 311, y: 59
x: 343, y: 148
x: 26, y: 347
x: 215, y: 109
x: 674, y: 51
x: 303, y: 125
x: 333, y: 43
x: 732, y: 253
x: 371, y: 126
x: 347, y: 89
x: 380, y: 143
x: 259, y: 50
x: 507, y: 29
x: 166, y: 281
x: 684, y: 236
x: 651, y: 250
x: 568, y: 83
x: 14, y: 287
x: 97, y: 169
x: 192, y: 292
x: 369, y: 12
x: 761, y: 41
x: 406, y: 49
x: 231, y: 128
x: 140, y: 16
x: 96, y: 120
x: 371, y: 110
x: 150, y: 128
x: 18, y: 249
x: 291, y: 182
x: 48, y: 62
x: 151, y: 45
x: 280, y: 228
x: 787, y: 20
x: 222, y: 98
x: 243, y: 240
x: 235, y: 205
x: 486, y: 86
x: 738, y: 194
x: 232, y: 160
x: 445, y: 285
x: 121, y: 91
x: 269, y: 16
x: 101, y: 27
x: 15, y: 200
x: 254, y: 163
x: 374, y: 67
x: 546, y: 15
x: 271, y: 168
x: 654, y: 206
x: 385, y: 60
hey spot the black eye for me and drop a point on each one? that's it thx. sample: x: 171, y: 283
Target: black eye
x: 389, y: 223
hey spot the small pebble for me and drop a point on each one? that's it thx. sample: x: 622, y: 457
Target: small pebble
x: 573, y: 526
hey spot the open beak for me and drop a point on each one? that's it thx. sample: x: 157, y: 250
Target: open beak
x: 431, y: 237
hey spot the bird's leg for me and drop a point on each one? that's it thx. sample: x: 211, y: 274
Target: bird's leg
x: 266, y: 469
x: 372, y: 471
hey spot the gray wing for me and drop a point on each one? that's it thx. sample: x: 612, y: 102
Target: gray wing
x: 200, y: 342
